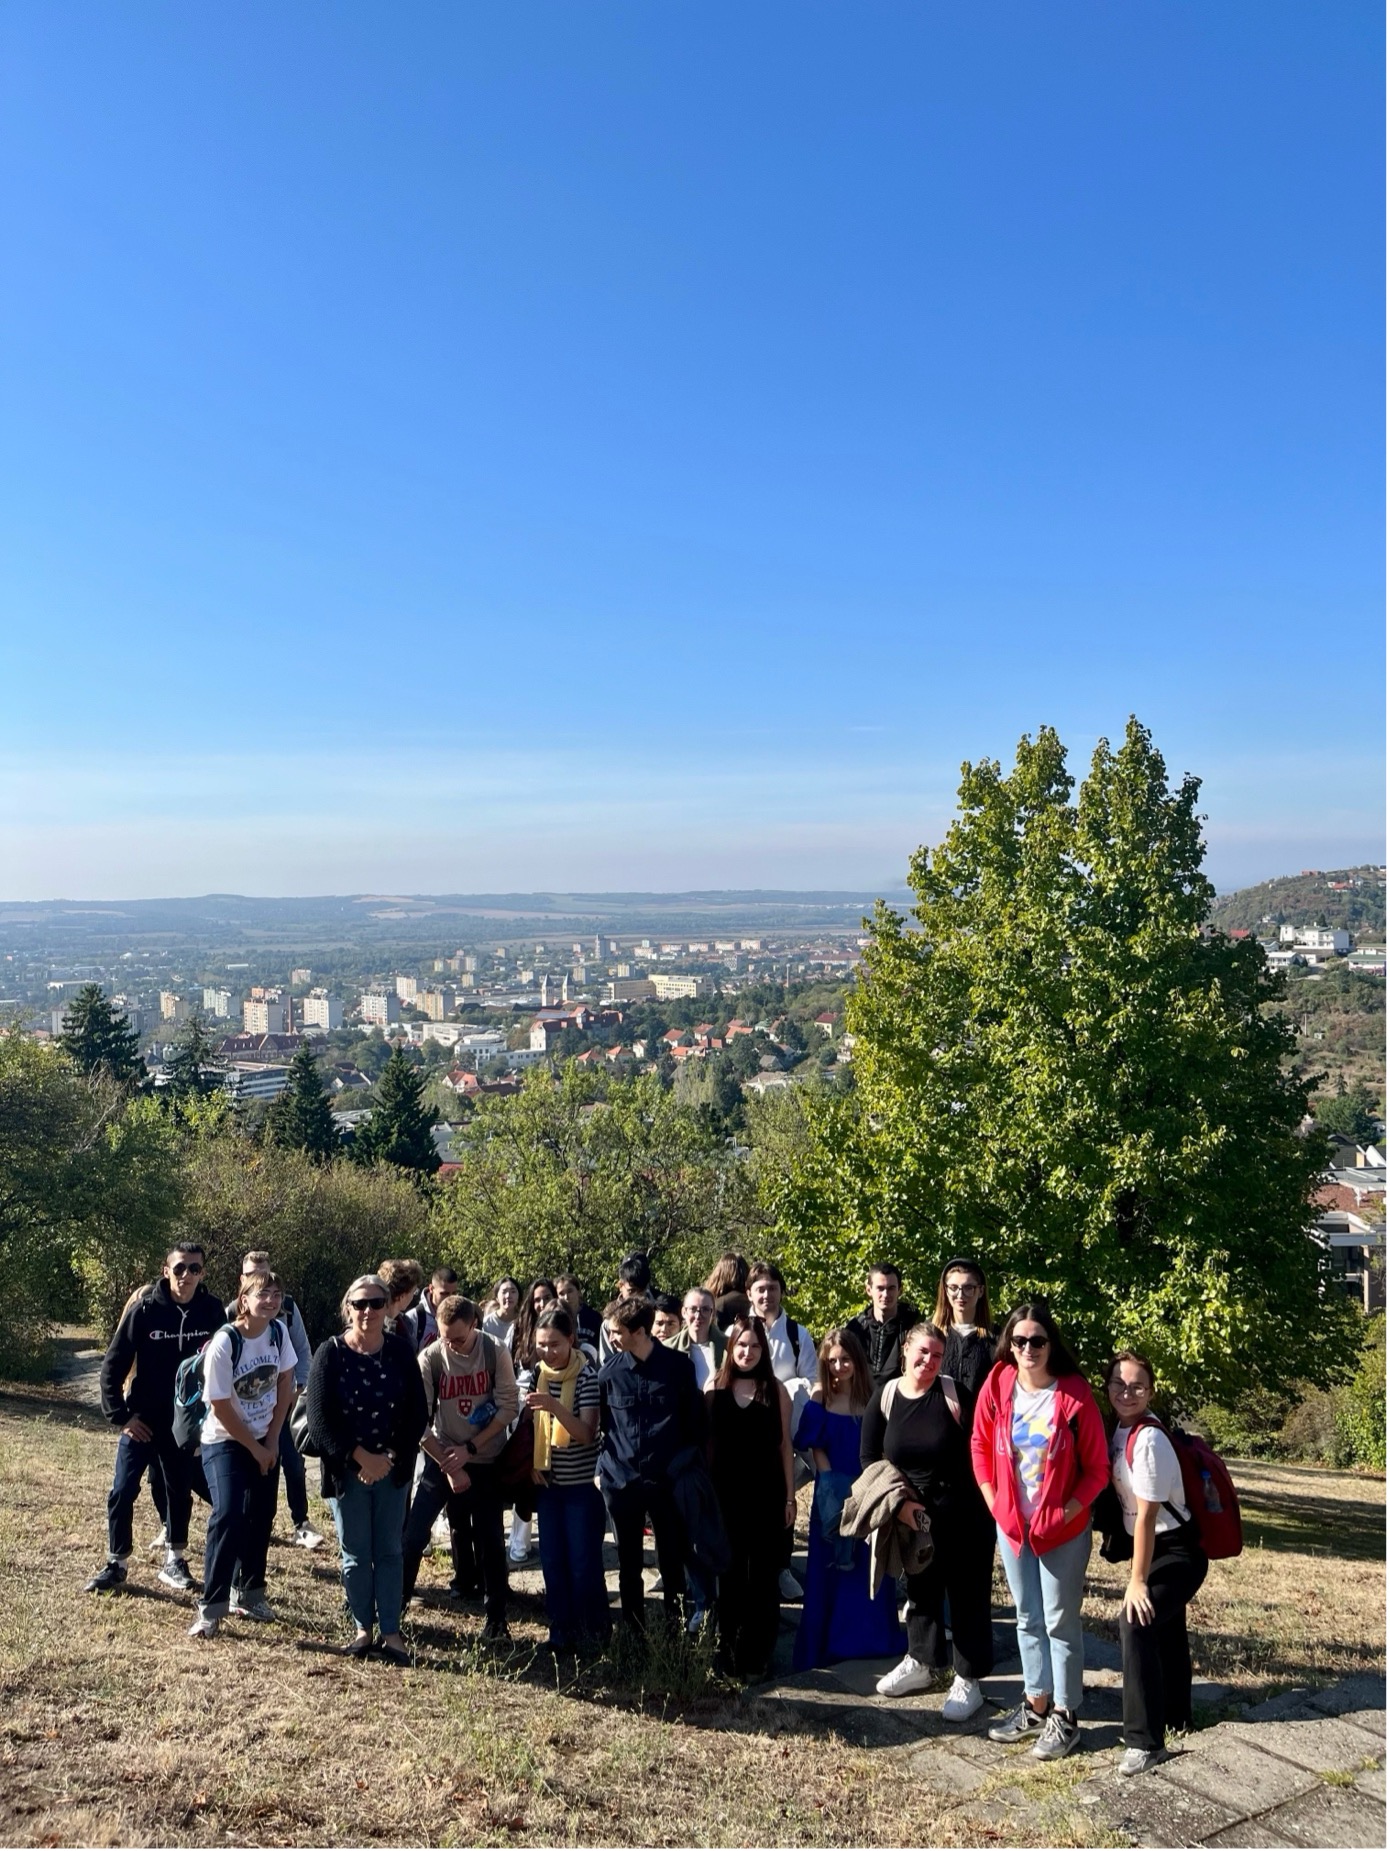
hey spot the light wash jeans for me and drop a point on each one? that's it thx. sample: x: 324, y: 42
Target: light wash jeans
x: 369, y: 1520
x: 1047, y: 1591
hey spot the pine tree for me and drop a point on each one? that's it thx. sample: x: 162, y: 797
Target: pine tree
x: 98, y: 1040
x: 301, y: 1117
x: 188, y: 1069
x: 399, y: 1129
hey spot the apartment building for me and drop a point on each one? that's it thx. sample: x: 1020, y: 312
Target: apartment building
x: 320, y: 1010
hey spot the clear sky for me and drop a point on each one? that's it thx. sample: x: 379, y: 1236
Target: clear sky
x: 457, y: 447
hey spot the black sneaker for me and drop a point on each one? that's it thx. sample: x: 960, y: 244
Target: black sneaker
x: 1021, y: 1725
x: 495, y: 1632
x: 108, y: 1579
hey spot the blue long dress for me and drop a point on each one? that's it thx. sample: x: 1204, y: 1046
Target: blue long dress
x: 838, y: 1619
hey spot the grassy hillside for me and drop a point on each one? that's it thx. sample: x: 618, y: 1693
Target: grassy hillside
x: 1353, y: 898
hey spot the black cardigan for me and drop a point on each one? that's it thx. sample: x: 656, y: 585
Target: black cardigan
x: 330, y: 1426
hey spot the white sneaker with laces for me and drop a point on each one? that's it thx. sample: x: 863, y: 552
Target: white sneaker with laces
x: 1140, y: 1760
x: 962, y: 1700
x: 905, y: 1678
x: 203, y: 1629
x: 306, y: 1536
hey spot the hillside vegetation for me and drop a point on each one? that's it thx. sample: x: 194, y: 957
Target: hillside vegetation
x: 1351, y: 898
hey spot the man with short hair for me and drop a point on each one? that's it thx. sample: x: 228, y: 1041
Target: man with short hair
x: 291, y: 1459
x: 887, y: 1321
x: 170, y: 1320
x: 793, y: 1352
x: 666, y: 1317
x: 649, y: 1411
x: 699, y: 1339
x: 444, y: 1283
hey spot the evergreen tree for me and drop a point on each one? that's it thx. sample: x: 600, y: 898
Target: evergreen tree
x: 188, y: 1067
x: 98, y: 1040
x: 399, y: 1128
x: 301, y: 1117
x: 1061, y: 1072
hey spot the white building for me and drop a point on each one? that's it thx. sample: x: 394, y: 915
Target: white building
x: 407, y: 989
x: 220, y: 1004
x: 251, y: 1080
x: 380, y: 1008
x: 668, y: 986
x: 267, y: 1014
x: 322, y: 1010
x: 1316, y: 938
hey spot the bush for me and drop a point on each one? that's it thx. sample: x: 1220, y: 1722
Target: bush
x: 1360, y: 1409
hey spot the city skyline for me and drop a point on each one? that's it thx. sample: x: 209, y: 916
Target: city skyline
x: 474, y: 452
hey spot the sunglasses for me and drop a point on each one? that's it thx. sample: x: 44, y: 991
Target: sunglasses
x: 183, y: 1268
x: 1029, y: 1343
x: 367, y: 1304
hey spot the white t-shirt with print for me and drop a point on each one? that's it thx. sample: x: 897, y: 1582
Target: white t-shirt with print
x: 252, y: 1384
x: 1030, y: 1430
x: 1154, y: 1476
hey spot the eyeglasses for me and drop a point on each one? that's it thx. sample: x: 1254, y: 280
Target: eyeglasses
x: 962, y: 1291
x: 1129, y: 1388
x: 367, y: 1304
x: 1029, y: 1343
x: 183, y: 1269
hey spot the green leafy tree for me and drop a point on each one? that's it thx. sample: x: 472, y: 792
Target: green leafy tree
x: 98, y: 1040
x: 400, y: 1127
x: 1350, y: 1111
x: 190, y: 1069
x: 301, y: 1117
x: 1058, y: 1070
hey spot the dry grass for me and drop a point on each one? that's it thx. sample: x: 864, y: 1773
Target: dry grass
x: 118, y: 1729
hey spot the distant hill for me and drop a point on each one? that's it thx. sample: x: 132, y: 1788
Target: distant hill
x: 1353, y: 898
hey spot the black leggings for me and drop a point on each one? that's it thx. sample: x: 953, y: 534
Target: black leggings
x: 1157, y: 1663
x: 962, y: 1571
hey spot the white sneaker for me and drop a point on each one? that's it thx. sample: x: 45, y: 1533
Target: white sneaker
x: 905, y: 1678
x: 203, y: 1629
x: 519, y: 1548
x: 962, y: 1700
x: 159, y: 1545
x: 789, y: 1587
x: 306, y: 1536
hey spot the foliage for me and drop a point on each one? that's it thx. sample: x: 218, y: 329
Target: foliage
x: 190, y: 1070
x: 574, y: 1171
x: 1351, y: 1111
x: 1342, y: 1426
x: 89, y: 1189
x: 1360, y: 1410
x: 322, y: 1224
x: 1057, y: 1070
x: 301, y: 1117
x: 399, y: 1129
x: 98, y: 1040
x: 1309, y: 900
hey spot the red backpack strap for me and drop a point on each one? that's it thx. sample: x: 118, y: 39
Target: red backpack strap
x: 1146, y: 1420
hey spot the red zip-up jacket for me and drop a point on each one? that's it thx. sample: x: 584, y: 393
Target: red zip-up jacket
x: 1077, y: 1464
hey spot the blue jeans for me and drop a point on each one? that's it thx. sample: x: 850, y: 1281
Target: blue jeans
x: 1047, y: 1591
x: 292, y: 1465
x: 174, y: 1476
x: 369, y: 1520
x: 571, y: 1541
x: 243, y: 1509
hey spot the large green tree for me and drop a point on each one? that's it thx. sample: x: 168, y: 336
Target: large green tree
x: 301, y: 1117
x: 400, y: 1128
x: 1061, y: 1071
x: 98, y: 1040
x: 190, y: 1069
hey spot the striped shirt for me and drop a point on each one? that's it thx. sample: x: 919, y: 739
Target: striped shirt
x: 572, y: 1464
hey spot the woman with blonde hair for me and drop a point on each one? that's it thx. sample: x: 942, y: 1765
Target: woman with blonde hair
x: 839, y: 1619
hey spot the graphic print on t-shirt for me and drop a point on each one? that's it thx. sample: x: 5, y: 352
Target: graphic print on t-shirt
x: 1029, y: 1433
x: 464, y: 1387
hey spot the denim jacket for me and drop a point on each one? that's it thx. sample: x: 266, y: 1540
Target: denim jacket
x: 648, y: 1411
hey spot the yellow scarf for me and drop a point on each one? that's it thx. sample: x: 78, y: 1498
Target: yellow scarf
x: 549, y: 1431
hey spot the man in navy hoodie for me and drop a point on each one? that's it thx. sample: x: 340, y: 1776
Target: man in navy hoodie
x: 162, y: 1325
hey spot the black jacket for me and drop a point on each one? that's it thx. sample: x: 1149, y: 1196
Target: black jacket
x: 649, y: 1412
x: 331, y: 1429
x: 968, y: 1360
x: 155, y: 1334
x: 883, y: 1343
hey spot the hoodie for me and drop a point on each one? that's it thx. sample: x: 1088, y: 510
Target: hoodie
x: 1077, y: 1462
x: 154, y: 1335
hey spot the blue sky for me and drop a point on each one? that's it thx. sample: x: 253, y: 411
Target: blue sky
x: 452, y: 448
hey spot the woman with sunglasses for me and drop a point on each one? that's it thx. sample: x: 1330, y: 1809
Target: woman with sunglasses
x: 366, y: 1412
x: 1040, y: 1459
x: 1166, y: 1570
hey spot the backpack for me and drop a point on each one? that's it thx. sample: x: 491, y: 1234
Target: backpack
x: 888, y: 1394
x: 190, y: 1398
x: 1206, y: 1487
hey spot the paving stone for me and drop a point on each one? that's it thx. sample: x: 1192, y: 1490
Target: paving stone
x: 1152, y: 1812
x: 1291, y: 1702
x: 1225, y: 1767
x: 1329, y: 1745
x: 1330, y: 1816
x: 1254, y: 1833
x: 941, y: 1771
x: 1365, y: 1691
x: 1371, y: 1782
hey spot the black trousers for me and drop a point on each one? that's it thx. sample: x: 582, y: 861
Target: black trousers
x: 750, y: 1603
x: 629, y: 1509
x: 961, y: 1571
x: 1156, y: 1660
x: 477, y: 1513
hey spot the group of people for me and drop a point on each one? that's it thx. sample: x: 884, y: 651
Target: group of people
x: 928, y: 1441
